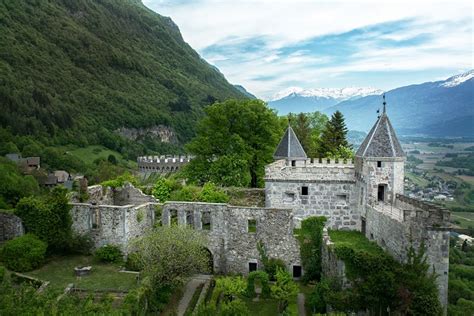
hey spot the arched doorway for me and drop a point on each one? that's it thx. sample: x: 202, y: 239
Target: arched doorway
x: 210, y: 262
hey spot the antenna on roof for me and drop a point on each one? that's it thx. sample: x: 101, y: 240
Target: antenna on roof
x: 384, y: 104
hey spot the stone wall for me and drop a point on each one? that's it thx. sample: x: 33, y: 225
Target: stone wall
x: 232, y: 245
x: 10, y: 226
x: 396, y: 234
x: 331, y: 192
x: 112, y: 224
x: 332, y: 267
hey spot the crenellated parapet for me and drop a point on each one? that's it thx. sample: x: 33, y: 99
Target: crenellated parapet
x: 427, y: 213
x: 317, y: 169
x: 162, y: 164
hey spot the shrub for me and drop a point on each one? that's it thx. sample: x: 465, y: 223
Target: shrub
x: 133, y: 262
x: 212, y: 194
x: 2, y: 273
x: 81, y: 244
x: 24, y: 253
x: 109, y: 253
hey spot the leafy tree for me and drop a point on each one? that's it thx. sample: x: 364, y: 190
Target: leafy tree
x: 284, y: 289
x: 301, y: 125
x: 112, y: 159
x: 334, y: 135
x: 23, y: 253
x: 48, y: 217
x: 247, y: 129
x: 170, y: 254
x: 162, y: 190
x: 14, y: 185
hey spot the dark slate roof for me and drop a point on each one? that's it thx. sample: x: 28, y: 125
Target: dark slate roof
x: 289, y: 147
x: 381, y: 141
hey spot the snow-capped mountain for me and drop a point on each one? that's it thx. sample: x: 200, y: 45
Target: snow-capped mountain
x: 440, y: 108
x: 334, y: 93
x: 296, y: 99
x: 458, y: 79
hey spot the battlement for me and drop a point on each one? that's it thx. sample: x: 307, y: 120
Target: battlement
x: 311, y: 169
x: 162, y: 164
x: 429, y: 213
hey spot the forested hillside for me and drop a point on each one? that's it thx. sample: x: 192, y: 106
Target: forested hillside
x: 75, y: 71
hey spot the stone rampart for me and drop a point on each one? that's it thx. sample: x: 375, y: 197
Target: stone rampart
x: 161, y: 164
x: 417, y: 225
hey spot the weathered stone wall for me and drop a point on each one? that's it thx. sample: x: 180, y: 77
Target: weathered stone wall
x: 391, y: 174
x: 331, y: 192
x: 10, y: 226
x: 129, y: 195
x: 332, y: 267
x: 229, y: 240
x: 111, y: 224
x: 412, y: 228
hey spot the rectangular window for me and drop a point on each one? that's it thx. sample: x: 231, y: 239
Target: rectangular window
x: 206, y: 220
x: 95, y: 219
x: 173, y: 218
x: 251, y: 225
x: 297, y: 272
x: 252, y: 266
x: 379, y: 164
x: 304, y: 190
x: 293, y: 163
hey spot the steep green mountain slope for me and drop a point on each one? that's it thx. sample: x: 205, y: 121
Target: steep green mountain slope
x: 75, y: 71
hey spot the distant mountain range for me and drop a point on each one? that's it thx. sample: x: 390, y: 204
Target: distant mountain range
x: 441, y: 108
x: 295, y: 99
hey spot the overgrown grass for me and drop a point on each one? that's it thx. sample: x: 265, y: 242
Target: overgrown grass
x: 463, y: 219
x: 60, y: 272
x: 355, y: 241
x: 91, y: 153
x: 262, y: 307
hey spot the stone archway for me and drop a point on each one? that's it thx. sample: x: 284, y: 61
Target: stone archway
x: 210, y: 262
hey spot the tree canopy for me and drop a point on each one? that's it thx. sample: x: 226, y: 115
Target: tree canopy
x: 234, y: 142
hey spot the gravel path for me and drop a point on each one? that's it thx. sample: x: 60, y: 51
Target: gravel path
x: 190, y: 288
x: 301, y: 309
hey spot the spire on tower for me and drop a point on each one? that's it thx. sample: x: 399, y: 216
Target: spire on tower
x: 384, y: 105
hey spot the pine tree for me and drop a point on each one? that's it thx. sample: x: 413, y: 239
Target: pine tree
x: 334, y: 136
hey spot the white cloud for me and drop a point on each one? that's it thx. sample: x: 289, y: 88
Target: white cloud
x: 449, y: 25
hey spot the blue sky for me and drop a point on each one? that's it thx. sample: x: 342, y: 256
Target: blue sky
x: 270, y: 45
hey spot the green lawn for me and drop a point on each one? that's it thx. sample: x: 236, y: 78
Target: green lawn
x: 263, y: 307
x: 418, y: 180
x: 60, y: 272
x: 354, y: 240
x: 90, y: 153
x: 463, y: 219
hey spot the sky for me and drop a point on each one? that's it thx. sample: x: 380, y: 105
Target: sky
x: 270, y: 45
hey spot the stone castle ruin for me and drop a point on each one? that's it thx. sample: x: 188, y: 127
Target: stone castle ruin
x: 364, y: 195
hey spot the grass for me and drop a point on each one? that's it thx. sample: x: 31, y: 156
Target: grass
x: 463, y: 219
x: 417, y: 180
x: 354, y: 240
x: 60, y: 272
x: 90, y: 153
x: 263, y: 307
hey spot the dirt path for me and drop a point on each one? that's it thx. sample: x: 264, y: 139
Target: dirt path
x: 301, y: 309
x: 189, y: 290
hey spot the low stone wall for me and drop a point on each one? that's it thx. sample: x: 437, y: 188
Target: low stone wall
x: 10, y: 226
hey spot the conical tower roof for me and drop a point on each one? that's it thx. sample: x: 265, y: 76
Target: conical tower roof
x: 289, y: 147
x: 381, y: 140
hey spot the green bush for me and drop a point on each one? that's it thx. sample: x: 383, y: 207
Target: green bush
x: 109, y: 253
x: 2, y: 273
x: 212, y: 194
x: 24, y: 253
x: 133, y: 262
x: 81, y: 244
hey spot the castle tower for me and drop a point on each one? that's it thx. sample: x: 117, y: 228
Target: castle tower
x: 380, y: 162
x: 290, y: 149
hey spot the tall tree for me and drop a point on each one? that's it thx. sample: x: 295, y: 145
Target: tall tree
x: 333, y: 138
x: 301, y: 125
x: 234, y: 142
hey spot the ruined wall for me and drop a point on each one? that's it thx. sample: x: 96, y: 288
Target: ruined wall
x: 331, y: 191
x: 416, y: 225
x: 332, y: 267
x: 229, y: 240
x: 10, y: 226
